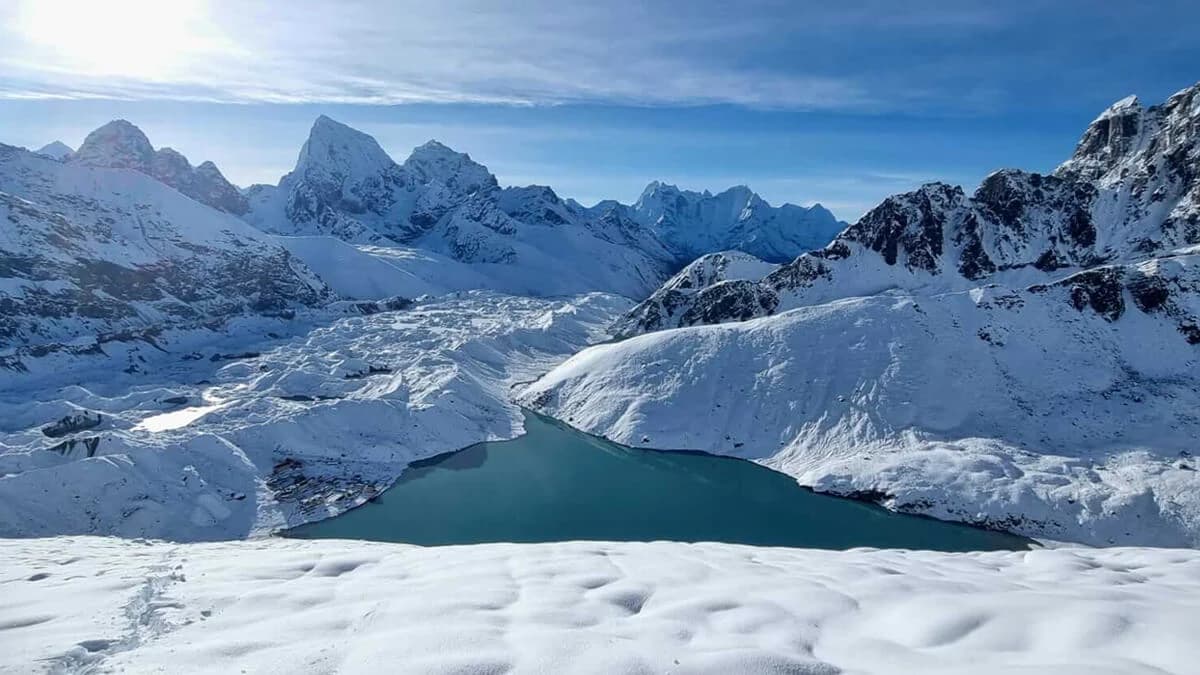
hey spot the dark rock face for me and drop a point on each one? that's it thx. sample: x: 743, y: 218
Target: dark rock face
x: 736, y: 300
x: 912, y: 225
x: 121, y: 145
x: 73, y: 423
x: 1148, y: 161
x: 1131, y: 191
x: 1100, y: 289
x: 703, y: 292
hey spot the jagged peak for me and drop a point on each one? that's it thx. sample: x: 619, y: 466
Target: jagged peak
x: 435, y: 151
x: 434, y: 162
x: 117, y: 144
x: 332, y: 145
x: 1112, y: 136
x: 171, y: 156
x: 435, y: 146
x: 658, y: 187
x: 1125, y: 105
x: 209, y: 168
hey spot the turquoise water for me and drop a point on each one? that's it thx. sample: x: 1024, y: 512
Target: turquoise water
x: 557, y: 484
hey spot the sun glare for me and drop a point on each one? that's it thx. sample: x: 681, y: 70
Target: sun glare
x: 145, y: 39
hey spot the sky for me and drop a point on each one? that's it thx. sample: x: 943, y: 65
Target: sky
x: 840, y: 103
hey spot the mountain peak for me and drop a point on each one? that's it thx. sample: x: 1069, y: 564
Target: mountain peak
x: 56, y: 150
x: 121, y: 145
x: 434, y: 146
x: 1121, y: 107
x: 434, y: 162
x: 118, y: 145
x: 343, y: 149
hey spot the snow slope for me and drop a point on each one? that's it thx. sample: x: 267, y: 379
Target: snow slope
x: 269, y: 422
x: 286, y: 606
x: 88, y: 251
x: 355, y: 273
x: 1007, y: 408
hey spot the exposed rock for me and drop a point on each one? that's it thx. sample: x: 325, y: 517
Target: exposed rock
x: 72, y: 423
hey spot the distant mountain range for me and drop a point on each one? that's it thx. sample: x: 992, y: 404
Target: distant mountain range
x: 344, y: 185
x: 104, y: 244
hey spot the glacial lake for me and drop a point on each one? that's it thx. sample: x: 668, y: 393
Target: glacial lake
x: 558, y: 484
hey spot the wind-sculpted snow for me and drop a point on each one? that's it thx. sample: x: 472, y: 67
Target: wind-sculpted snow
x: 270, y: 422
x: 1065, y: 410
x: 82, y: 604
x: 88, y: 253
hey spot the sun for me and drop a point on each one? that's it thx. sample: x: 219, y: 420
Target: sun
x: 136, y: 39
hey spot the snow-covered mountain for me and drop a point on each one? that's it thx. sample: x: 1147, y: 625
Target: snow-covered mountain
x: 56, y: 150
x: 695, y: 223
x: 89, y: 251
x: 1131, y: 191
x: 521, y: 240
x: 1026, y: 357
x: 674, y: 303
x: 121, y: 145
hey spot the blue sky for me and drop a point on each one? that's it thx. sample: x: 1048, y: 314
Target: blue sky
x: 801, y: 101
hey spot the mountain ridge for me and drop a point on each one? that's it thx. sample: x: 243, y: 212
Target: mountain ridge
x: 91, y: 251
x: 346, y: 186
x: 1131, y: 190
x: 119, y: 144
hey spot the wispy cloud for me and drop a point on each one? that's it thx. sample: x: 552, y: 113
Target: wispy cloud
x: 858, y: 55
x: 762, y: 53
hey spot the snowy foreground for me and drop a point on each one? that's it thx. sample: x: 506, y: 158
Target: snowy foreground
x: 207, y: 436
x: 284, y: 606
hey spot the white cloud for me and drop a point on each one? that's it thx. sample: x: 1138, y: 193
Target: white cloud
x: 357, y: 51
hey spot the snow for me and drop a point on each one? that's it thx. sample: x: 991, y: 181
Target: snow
x: 516, y: 240
x: 103, y: 250
x: 79, y: 604
x: 694, y: 223
x: 174, y: 419
x: 315, y: 414
x: 1011, y: 408
x: 441, y: 205
x: 355, y: 273
x: 56, y: 150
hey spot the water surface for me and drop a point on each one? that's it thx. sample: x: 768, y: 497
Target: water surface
x: 558, y: 484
